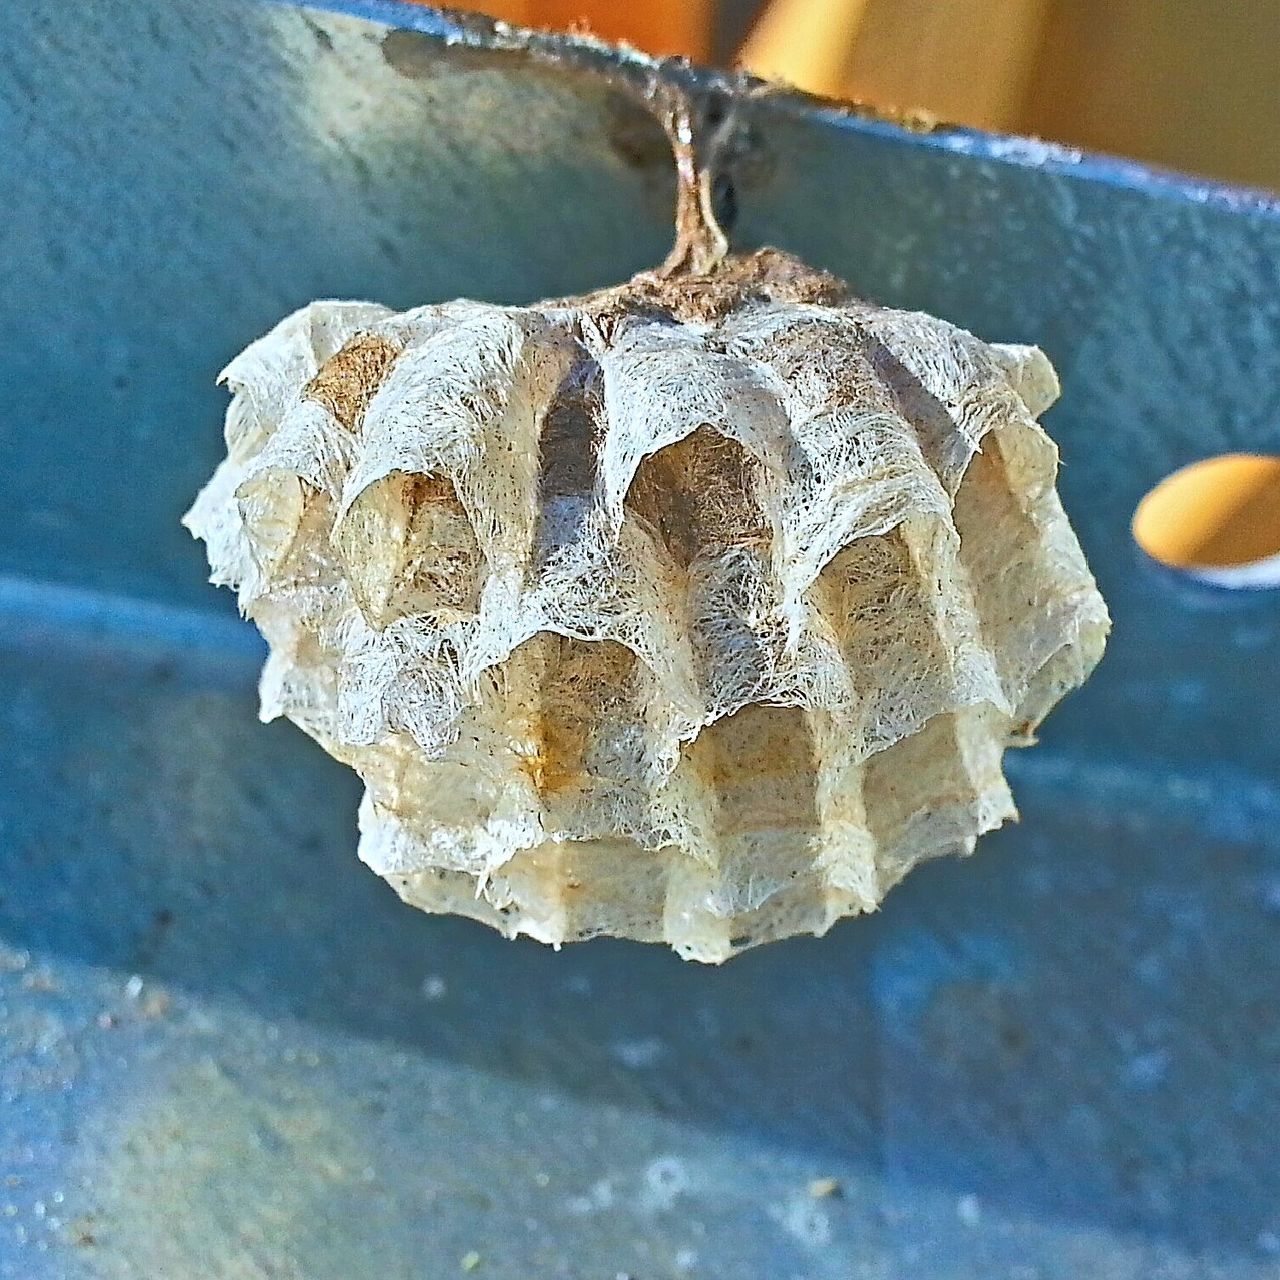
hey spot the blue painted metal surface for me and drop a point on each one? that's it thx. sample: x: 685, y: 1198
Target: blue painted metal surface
x: 226, y: 1050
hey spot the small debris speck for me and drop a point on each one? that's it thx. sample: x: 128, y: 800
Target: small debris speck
x: 822, y: 1188
x: 1149, y: 1070
x: 968, y: 1210
x: 156, y: 1005
x: 638, y: 1054
x: 470, y: 1261
x: 803, y: 1220
x: 665, y: 1181
x: 133, y: 988
x: 434, y: 987
x: 599, y: 1197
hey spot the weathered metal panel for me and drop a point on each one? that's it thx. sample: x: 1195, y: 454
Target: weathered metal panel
x: 228, y: 1051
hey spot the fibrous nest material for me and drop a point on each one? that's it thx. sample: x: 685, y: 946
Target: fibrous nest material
x: 695, y: 610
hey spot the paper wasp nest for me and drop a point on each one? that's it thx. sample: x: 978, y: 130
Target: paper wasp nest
x: 698, y: 610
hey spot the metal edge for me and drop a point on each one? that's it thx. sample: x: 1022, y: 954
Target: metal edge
x: 621, y: 64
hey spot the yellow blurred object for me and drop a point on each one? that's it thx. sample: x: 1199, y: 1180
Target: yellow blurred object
x: 806, y: 43
x: 658, y: 27
x: 968, y: 61
x: 965, y: 61
x: 1220, y: 513
x: 1184, y: 83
